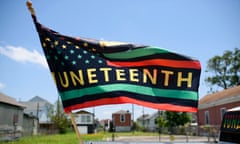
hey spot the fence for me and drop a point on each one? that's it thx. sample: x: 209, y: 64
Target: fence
x: 205, y: 130
x: 184, y: 134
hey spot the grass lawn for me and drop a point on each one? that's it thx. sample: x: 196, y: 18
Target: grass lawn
x: 71, y: 138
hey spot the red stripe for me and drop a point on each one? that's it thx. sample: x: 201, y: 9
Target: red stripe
x: 158, y: 62
x: 123, y: 99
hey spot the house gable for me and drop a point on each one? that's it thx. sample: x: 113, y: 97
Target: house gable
x: 38, y: 107
x: 84, y: 118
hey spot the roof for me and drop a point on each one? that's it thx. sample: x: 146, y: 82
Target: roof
x: 38, y: 99
x: 225, y: 96
x: 150, y: 116
x: 121, y: 112
x: 36, y: 103
x: 29, y: 116
x: 83, y: 112
x: 153, y: 115
x: 11, y: 101
x: 142, y: 117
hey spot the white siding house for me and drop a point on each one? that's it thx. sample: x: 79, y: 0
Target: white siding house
x: 84, y: 121
x: 149, y: 122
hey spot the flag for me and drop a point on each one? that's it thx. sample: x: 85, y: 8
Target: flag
x: 89, y: 73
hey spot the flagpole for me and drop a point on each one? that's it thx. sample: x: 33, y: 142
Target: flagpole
x: 76, y: 128
x: 30, y: 8
x: 32, y: 11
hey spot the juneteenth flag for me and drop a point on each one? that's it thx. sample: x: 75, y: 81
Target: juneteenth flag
x: 89, y: 73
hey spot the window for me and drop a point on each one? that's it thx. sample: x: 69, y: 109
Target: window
x: 155, y: 121
x: 15, y: 119
x: 122, y: 118
x: 88, y: 118
x: 206, y: 117
x: 222, y: 111
x: 85, y: 118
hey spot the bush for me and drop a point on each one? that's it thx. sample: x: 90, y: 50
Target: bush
x: 62, y: 123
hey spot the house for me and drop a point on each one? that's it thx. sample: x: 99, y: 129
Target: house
x: 141, y: 120
x: 85, y: 121
x: 105, y: 124
x: 149, y: 122
x: 30, y: 125
x: 40, y: 108
x: 213, y: 106
x: 14, y: 120
x: 122, y: 121
x: 11, y: 118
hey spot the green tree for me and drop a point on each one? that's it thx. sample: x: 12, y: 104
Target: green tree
x: 60, y: 119
x: 224, y: 70
x: 161, y: 122
x: 177, y: 118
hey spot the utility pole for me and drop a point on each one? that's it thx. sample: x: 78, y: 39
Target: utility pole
x: 94, y: 124
x: 37, y: 115
x: 143, y: 120
x: 58, y: 108
x: 133, y: 127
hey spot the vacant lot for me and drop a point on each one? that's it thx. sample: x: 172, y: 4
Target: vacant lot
x: 71, y: 138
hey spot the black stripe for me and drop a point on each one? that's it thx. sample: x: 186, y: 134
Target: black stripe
x: 122, y: 48
x: 146, y: 98
x: 168, y: 56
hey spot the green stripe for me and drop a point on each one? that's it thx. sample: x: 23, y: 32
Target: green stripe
x: 179, y: 94
x: 135, y: 53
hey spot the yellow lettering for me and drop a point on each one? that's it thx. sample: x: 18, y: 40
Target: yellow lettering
x: 120, y: 73
x: 91, y: 75
x: 54, y: 78
x: 181, y: 79
x: 66, y: 84
x: 152, y: 77
x: 79, y: 78
x: 238, y: 126
x: 166, y: 78
x: 106, y: 73
x: 133, y: 74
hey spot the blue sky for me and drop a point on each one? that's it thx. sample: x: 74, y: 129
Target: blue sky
x: 199, y: 28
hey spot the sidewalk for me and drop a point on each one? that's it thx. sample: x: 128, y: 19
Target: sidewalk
x: 165, y: 138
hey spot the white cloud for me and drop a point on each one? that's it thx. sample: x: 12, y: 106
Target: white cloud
x: 2, y: 85
x: 23, y: 55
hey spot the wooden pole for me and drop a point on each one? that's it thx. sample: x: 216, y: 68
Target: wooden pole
x: 30, y: 8
x: 32, y: 11
x: 76, y: 128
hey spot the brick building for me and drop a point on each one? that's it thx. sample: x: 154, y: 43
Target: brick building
x: 122, y: 121
x: 212, y: 107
